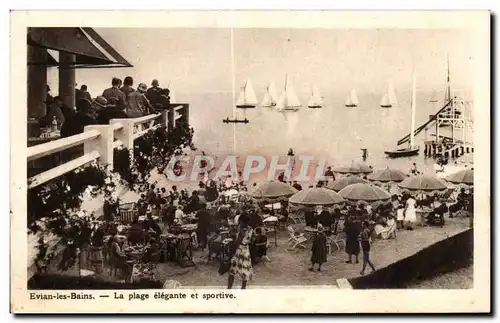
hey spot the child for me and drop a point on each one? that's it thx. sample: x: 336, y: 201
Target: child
x: 365, y: 245
x: 259, y: 246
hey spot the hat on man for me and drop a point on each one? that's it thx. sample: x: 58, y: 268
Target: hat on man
x: 142, y: 88
x: 155, y: 83
x: 100, y: 101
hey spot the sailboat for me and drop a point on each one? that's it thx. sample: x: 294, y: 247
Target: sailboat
x: 412, y: 149
x: 270, y: 97
x: 352, y: 99
x: 247, y: 98
x: 316, y: 101
x: 389, y: 99
x: 243, y: 99
x: 288, y: 100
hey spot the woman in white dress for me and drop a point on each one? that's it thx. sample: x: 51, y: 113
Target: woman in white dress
x: 410, y: 214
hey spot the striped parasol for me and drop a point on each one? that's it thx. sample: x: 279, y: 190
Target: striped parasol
x: 364, y: 192
x: 423, y: 184
x: 272, y: 190
x: 465, y: 177
x: 316, y: 196
x: 339, y: 184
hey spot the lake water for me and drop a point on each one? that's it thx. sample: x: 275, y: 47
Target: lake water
x: 334, y: 132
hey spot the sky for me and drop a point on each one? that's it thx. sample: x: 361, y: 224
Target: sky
x: 197, y: 60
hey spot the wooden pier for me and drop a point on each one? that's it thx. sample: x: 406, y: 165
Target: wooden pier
x: 447, y: 150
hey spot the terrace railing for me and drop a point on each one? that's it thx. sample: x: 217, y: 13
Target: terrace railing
x: 99, y: 141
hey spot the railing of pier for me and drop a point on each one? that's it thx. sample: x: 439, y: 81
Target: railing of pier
x: 99, y: 141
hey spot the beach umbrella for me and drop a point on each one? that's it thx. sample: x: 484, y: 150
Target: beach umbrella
x: 465, y: 177
x: 316, y: 196
x: 339, y: 184
x: 364, y: 192
x: 355, y: 168
x: 424, y: 184
x: 387, y: 175
x: 272, y: 190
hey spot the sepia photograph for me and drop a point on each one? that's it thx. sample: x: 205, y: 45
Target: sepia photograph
x: 162, y: 160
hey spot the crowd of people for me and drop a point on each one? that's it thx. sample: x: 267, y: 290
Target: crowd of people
x: 121, y: 100
x: 223, y: 211
x: 219, y: 214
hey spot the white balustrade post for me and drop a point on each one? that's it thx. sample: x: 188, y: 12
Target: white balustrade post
x: 125, y: 134
x: 164, y: 118
x: 103, y: 144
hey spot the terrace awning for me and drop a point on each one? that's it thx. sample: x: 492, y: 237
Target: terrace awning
x: 90, y: 49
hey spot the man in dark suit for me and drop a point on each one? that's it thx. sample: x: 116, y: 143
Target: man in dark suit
x: 114, y: 92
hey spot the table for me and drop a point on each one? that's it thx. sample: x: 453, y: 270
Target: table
x: 33, y: 141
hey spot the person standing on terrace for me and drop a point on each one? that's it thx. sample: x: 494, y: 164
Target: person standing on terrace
x: 138, y: 104
x: 83, y: 93
x: 127, y: 88
x: 114, y: 91
x: 165, y: 98
x: 154, y: 93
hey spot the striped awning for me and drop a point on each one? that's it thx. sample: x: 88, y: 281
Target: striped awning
x: 90, y: 49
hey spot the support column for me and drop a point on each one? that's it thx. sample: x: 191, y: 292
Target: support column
x: 37, y: 80
x: 67, y: 78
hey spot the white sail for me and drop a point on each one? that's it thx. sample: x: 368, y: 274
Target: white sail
x: 241, y: 97
x: 413, y: 108
x: 247, y: 95
x: 250, y: 97
x: 352, y: 99
x: 291, y: 100
x: 267, y: 101
x: 270, y: 96
x: 316, y: 100
x: 391, y: 93
x: 385, y: 101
